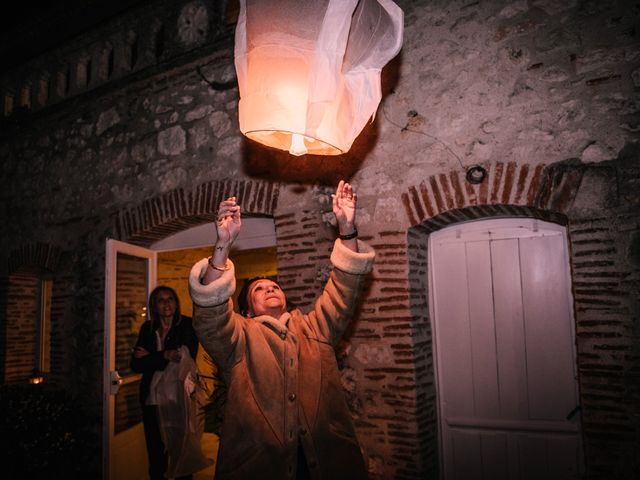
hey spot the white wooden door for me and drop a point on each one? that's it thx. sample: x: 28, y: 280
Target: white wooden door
x: 130, y: 277
x: 504, y: 353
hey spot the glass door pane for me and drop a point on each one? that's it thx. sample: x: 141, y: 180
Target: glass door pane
x: 131, y: 298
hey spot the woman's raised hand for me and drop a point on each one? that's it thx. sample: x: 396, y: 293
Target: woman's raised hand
x: 228, y: 222
x: 227, y: 227
x: 345, y: 201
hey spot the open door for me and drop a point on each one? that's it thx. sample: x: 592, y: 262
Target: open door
x: 504, y: 351
x: 130, y: 277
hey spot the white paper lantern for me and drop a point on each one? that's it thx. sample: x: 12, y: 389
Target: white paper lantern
x: 309, y: 70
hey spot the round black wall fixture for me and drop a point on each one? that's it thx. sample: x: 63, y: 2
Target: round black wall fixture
x: 476, y: 174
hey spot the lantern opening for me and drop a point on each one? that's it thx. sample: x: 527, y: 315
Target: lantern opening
x: 296, y: 143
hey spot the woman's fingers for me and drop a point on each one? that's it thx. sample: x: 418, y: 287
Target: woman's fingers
x: 228, y: 208
x: 348, y: 191
x: 345, y: 192
x: 228, y: 211
x: 228, y: 203
x: 140, y: 352
x: 344, y: 196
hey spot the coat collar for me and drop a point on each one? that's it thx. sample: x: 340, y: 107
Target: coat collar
x: 279, y: 325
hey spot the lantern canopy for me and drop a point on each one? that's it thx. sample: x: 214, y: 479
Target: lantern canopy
x: 309, y: 70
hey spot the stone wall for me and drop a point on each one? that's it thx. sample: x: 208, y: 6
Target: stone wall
x: 543, y: 94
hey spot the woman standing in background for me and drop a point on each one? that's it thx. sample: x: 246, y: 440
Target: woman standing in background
x: 159, y: 342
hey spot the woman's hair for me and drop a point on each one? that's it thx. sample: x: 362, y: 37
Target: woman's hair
x: 151, y: 308
x: 243, y: 296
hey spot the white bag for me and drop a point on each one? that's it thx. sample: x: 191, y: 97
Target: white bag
x: 180, y: 394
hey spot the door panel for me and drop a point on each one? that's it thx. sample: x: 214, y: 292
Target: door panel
x: 481, y: 329
x: 551, y: 396
x: 464, y: 445
x: 504, y: 350
x: 130, y: 276
x: 131, y: 295
x: 493, y: 451
x: 509, y: 328
x: 457, y: 393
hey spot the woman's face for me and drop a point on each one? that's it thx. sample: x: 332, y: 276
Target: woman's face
x: 266, y: 298
x: 165, y: 304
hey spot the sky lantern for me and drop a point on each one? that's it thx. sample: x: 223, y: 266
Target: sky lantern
x: 309, y: 70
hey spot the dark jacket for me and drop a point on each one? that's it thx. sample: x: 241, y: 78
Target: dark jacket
x: 182, y: 333
x: 283, y: 379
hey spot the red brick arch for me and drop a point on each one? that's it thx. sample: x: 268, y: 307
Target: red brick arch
x: 510, y: 189
x: 178, y: 209
x: 35, y: 257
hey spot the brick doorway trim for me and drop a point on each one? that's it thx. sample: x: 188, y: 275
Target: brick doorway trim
x: 510, y: 189
x: 36, y: 257
x: 177, y: 210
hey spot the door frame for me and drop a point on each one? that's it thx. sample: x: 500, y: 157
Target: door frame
x: 113, y: 247
x: 257, y: 232
x: 532, y: 224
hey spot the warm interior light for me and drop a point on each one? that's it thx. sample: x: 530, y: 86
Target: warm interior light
x: 309, y: 70
x: 36, y: 378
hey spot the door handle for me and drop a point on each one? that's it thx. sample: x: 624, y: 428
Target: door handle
x: 116, y: 381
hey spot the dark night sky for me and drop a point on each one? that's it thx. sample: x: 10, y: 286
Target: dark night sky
x: 30, y: 28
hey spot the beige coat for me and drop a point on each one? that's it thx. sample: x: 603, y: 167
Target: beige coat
x: 283, y: 380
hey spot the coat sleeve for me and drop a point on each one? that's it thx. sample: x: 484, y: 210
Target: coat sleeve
x: 218, y: 327
x: 152, y: 362
x: 190, y: 338
x: 336, y: 305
